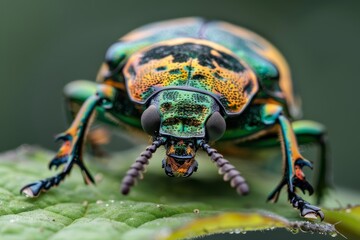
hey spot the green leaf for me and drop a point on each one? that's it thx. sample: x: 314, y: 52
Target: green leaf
x: 348, y: 219
x: 157, y: 208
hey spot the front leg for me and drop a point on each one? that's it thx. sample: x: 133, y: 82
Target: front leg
x: 71, y: 151
x: 293, y: 175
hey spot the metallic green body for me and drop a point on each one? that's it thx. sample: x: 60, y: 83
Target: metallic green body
x: 267, y: 73
x: 184, y: 113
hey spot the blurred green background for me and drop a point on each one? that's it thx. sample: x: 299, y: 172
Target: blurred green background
x: 46, y: 44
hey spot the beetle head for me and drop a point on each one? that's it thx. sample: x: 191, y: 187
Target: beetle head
x: 180, y: 158
x: 183, y: 118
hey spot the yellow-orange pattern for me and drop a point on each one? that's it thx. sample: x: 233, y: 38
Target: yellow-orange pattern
x: 272, y: 54
x: 160, y: 73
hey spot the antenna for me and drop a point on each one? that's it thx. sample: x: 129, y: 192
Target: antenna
x: 227, y: 170
x: 138, y: 167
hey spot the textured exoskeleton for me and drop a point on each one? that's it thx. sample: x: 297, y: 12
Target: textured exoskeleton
x: 189, y: 83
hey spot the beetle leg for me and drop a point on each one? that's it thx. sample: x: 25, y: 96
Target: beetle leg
x: 71, y: 151
x: 306, y: 209
x: 312, y: 132
x: 293, y: 174
x: 307, y: 132
x: 76, y: 93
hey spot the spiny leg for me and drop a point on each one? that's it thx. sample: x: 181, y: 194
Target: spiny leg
x: 312, y: 132
x: 76, y: 93
x: 71, y: 151
x: 307, y: 132
x: 293, y: 174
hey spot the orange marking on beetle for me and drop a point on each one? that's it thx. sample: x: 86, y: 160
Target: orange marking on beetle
x: 215, y: 53
x: 218, y: 80
x: 179, y: 168
x: 183, y: 168
x: 264, y: 48
x: 189, y: 151
x: 266, y: 101
x: 271, y: 109
x: 295, y: 154
x: 65, y: 149
x: 299, y: 173
x: 118, y: 85
x: 171, y: 150
x: 147, y: 76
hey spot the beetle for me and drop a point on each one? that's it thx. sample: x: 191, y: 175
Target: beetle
x: 189, y: 83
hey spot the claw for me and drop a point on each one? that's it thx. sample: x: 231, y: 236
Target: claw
x: 68, y: 155
x: 306, y: 209
x: 303, y: 162
x: 310, y: 213
x: 63, y: 136
x: 299, y: 180
x: 57, y: 162
x: 303, y: 185
x: 63, y: 154
x: 321, y: 215
x: 71, y: 150
x: 33, y: 189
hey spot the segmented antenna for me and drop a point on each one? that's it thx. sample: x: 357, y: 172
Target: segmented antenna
x: 227, y: 170
x: 138, y: 167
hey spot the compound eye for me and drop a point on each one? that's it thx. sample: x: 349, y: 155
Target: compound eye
x: 215, y: 126
x: 150, y: 120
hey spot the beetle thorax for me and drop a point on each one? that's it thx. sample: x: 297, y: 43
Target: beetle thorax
x: 184, y: 113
